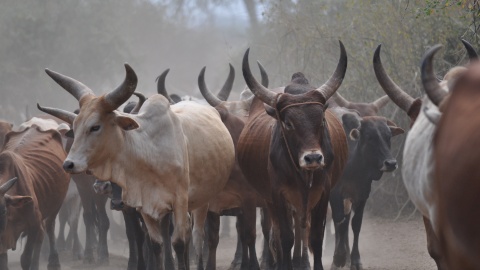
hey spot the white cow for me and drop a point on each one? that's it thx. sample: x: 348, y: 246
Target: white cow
x: 168, y: 158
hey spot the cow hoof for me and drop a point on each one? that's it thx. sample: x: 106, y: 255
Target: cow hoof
x: 356, y: 266
x: 339, y: 260
x: 53, y: 266
x: 103, y: 261
x: 88, y: 259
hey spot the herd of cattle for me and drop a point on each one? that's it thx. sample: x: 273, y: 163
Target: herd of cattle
x: 174, y: 167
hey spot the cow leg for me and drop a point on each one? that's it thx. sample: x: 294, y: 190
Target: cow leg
x: 356, y: 263
x: 283, y: 238
x: 62, y: 221
x: 199, y: 216
x: 154, y: 230
x: 213, y: 237
x: 181, y: 234
x: 103, y: 226
x: 341, y: 222
x: 250, y: 222
x: 317, y: 229
x: 34, y: 260
x: 53, y: 261
x: 305, y: 264
x: 433, y: 245
x: 88, y: 219
x: 237, y: 259
x: 4, y: 261
x: 297, y: 247
x: 77, y: 249
x: 167, y: 241
x: 129, y: 216
x: 139, y: 239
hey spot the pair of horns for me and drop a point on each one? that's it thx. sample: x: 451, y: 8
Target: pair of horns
x: 268, y: 96
x: 217, y: 100
x: 432, y: 88
x: 377, y: 104
x: 82, y: 93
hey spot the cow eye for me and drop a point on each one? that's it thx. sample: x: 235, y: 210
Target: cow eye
x: 94, y: 128
x: 288, y: 125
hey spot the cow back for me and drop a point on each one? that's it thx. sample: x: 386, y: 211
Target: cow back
x: 38, y: 157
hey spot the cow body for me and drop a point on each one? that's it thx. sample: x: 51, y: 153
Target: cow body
x: 34, y: 155
x: 456, y: 173
x: 369, y: 156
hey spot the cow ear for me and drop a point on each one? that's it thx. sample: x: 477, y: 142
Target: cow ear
x: 396, y: 130
x: 17, y: 201
x: 354, y: 134
x: 63, y: 129
x: 223, y: 112
x: 126, y: 122
x: 270, y: 111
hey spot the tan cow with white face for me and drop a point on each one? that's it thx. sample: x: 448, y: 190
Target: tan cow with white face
x: 167, y: 158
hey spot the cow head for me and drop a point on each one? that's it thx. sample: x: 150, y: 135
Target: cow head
x: 364, y: 109
x: 97, y: 127
x: 300, y: 114
x: 9, y: 203
x: 369, y: 141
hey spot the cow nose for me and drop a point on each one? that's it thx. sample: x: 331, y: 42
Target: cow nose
x: 313, y: 158
x: 68, y: 165
x: 390, y: 164
x: 116, y: 205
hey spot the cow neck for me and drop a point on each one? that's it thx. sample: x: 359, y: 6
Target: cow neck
x: 277, y: 112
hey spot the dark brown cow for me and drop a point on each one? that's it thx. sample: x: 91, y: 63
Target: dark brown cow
x: 34, y: 155
x: 456, y: 175
x: 293, y: 155
x: 368, y: 158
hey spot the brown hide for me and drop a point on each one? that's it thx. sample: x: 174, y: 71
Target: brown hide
x: 36, y: 158
x: 457, y: 173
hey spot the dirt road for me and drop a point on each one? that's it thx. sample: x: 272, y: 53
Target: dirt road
x: 384, y: 244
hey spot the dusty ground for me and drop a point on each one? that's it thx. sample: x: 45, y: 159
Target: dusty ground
x: 384, y: 244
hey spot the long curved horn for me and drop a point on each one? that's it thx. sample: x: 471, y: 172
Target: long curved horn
x: 141, y: 100
x: 263, y: 74
x: 124, y: 91
x: 74, y: 87
x: 66, y: 116
x: 257, y: 89
x: 433, y: 89
x: 209, y: 97
x: 341, y: 101
x: 161, y: 89
x: 381, y: 102
x: 399, y: 97
x: 472, y: 54
x: 227, y: 86
x: 7, y: 185
x: 334, y: 82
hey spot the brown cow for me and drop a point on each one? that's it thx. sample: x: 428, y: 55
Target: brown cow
x: 293, y: 151
x: 456, y: 174
x: 237, y: 192
x: 33, y: 154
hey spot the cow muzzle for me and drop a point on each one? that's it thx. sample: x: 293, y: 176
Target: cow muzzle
x: 116, y: 204
x: 389, y: 165
x: 312, y: 160
x: 73, y: 167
